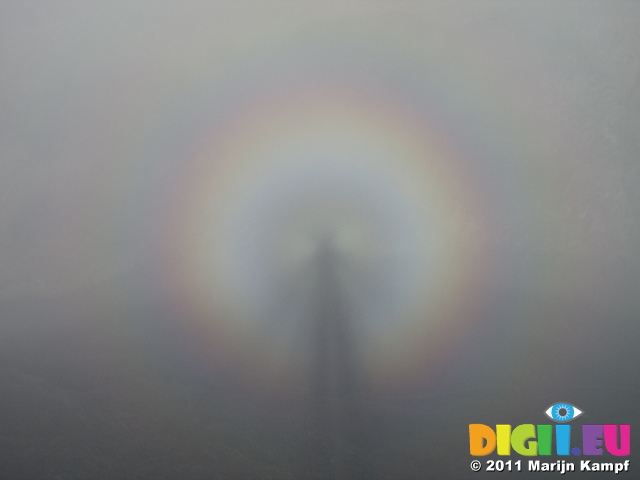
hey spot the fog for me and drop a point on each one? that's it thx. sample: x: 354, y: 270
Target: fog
x: 302, y: 240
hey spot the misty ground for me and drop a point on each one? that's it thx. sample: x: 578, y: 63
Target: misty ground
x: 74, y: 407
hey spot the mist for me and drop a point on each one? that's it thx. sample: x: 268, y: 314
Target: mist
x: 292, y: 240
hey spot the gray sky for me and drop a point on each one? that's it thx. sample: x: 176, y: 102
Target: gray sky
x: 453, y: 149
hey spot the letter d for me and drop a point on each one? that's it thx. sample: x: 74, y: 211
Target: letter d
x: 482, y: 439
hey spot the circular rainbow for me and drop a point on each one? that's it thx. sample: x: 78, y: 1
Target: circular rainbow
x: 400, y: 164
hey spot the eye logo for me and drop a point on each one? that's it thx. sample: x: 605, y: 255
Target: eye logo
x: 531, y: 440
x: 563, y: 412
